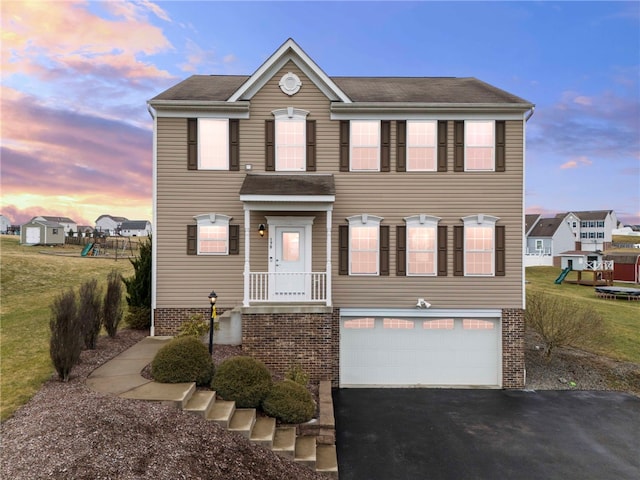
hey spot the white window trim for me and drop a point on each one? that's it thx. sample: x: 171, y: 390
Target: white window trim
x: 493, y: 146
x: 351, y: 144
x: 369, y: 221
x: 200, y: 143
x: 481, y: 220
x: 434, y: 147
x: 212, y: 219
x: 426, y: 221
x: 290, y: 114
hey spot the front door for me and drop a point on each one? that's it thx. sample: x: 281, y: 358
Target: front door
x: 289, y: 259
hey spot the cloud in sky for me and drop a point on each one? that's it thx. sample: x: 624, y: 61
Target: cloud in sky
x: 576, y: 163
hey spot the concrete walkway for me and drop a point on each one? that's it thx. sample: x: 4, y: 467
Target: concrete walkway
x: 121, y: 375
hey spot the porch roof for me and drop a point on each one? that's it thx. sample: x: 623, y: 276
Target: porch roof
x: 292, y: 192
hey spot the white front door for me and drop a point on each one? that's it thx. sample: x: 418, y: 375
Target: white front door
x: 289, y: 258
x: 33, y: 235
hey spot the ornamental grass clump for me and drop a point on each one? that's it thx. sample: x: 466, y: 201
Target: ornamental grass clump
x: 289, y: 402
x: 243, y: 379
x: 183, y: 359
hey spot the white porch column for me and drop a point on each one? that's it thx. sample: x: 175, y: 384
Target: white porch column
x: 247, y: 251
x: 329, y: 222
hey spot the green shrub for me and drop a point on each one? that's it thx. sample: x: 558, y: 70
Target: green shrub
x: 289, y: 402
x: 66, y: 340
x: 184, y: 359
x: 112, y: 305
x: 243, y: 379
x: 296, y: 373
x: 195, y: 326
x: 90, y: 312
x: 139, y: 318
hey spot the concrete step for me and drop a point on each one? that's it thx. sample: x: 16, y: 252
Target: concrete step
x: 243, y: 421
x: 327, y: 460
x: 263, y: 431
x: 305, y: 452
x: 201, y: 402
x: 174, y: 394
x: 284, y: 442
x: 222, y: 412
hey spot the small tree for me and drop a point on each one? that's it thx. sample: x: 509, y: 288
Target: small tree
x: 89, y: 312
x: 139, y: 288
x: 66, y: 340
x: 562, y: 322
x: 112, y: 308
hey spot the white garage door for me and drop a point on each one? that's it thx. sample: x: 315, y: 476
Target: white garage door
x: 419, y: 351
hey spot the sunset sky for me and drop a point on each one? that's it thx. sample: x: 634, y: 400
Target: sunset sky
x: 76, y: 75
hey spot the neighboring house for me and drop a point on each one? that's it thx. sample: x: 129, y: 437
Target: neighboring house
x: 5, y: 224
x: 109, y: 225
x: 592, y: 229
x: 546, y: 239
x: 42, y: 232
x: 135, y: 228
x: 68, y: 225
x: 84, y: 231
x: 368, y: 228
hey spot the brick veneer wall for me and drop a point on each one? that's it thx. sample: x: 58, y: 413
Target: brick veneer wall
x: 282, y: 339
x: 513, y: 366
x: 167, y: 321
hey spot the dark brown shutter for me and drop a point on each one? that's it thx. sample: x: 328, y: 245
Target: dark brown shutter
x: 234, y: 239
x: 234, y: 144
x: 384, y: 250
x: 192, y: 239
x: 442, y: 146
x: 442, y: 250
x: 458, y: 250
x: 500, y: 251
x: 344, y: 146
x: 500, y: 146
x: 401, y: 146
x: 192, y: 143
x: 270, y: 145
x: 385, y: 146
x: 401, y: 251
x: 458, y: 146
x: 343, y: 249
x: 311, y: 145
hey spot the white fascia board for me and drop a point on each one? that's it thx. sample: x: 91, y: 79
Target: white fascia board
x: 289, y: 198
x: 421, y: 312
x: 434, y: 111
x: 201, y: 109
x: 289, y: 51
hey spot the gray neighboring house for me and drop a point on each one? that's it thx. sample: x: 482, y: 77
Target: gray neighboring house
x: 135, y: 228
x: 546, y: 239
x: 42, y: 232
x: 66, y: 223
x: 5, y: 224
x: 109, y: 225
x: 593, y: 228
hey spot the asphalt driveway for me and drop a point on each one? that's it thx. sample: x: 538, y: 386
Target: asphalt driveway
x: 486, y: 434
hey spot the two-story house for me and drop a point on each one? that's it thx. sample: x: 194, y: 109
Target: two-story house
x: 546, y: 239
x: 109, y: 225
x: 593, y: 230
x: 368, y: 228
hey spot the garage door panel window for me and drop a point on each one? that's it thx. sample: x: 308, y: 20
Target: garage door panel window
x: 396, y: 323
x: 438, y: 324
x: 359, y: 323
x: 475, y: 324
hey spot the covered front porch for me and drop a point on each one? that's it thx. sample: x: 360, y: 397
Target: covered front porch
x: 284, y: 208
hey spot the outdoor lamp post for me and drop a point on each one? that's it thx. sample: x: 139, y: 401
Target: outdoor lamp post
x: 212, y: 298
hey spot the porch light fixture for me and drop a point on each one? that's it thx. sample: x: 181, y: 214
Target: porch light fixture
x: 261, y: 229
x: 212, y: 300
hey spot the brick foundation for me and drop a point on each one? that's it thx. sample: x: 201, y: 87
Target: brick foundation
x: 513, y: 366
x: 167, y: 321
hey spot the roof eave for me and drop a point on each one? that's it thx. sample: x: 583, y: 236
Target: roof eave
x: 431, y: 107
x: 200, y: 105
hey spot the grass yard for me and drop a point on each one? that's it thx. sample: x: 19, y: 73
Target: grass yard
x: 29, y: 281
x: 622, y: 317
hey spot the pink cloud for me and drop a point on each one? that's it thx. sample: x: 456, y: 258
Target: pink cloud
x: 576, y: 162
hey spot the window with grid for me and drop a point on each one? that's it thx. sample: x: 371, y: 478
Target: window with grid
x: 422, y: 245
x: 364, y: 245
x: 213, y: 144
x: 290, y: 144
x: 421, y: 146
x: 365, y: 145
x: 479, y: 145
x: 213, y: 234
x: 478, y: 250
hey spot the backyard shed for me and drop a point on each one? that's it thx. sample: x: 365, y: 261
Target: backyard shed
x: 42, y: 232
x: 626, y: 267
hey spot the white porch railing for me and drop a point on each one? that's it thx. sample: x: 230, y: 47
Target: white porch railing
x: 540, y: 252
x: 288, y: 287
x: 602, y: 265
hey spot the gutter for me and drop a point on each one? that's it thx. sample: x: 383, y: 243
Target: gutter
x: 530, y: 114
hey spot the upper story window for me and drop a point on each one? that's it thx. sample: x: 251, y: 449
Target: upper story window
x: 479, y: 245
x: 422, y: 245
x: 290, y: 139
x: 421, y: 146
x: 365, y: 145
x: 213, y: 144
x: 479, y: 145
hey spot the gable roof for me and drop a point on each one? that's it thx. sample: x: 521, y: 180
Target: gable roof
x: 134, y: 225
x: 115, y: 219
x: 588, y: 215
x: 546, y: 227
x: 530, y: 220
x: 56, y: 219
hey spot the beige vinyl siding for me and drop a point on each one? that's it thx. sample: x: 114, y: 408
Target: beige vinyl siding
x: 185, y: 281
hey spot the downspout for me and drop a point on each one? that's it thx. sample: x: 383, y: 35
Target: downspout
x: 531, y: 112
x: 154, y: 250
